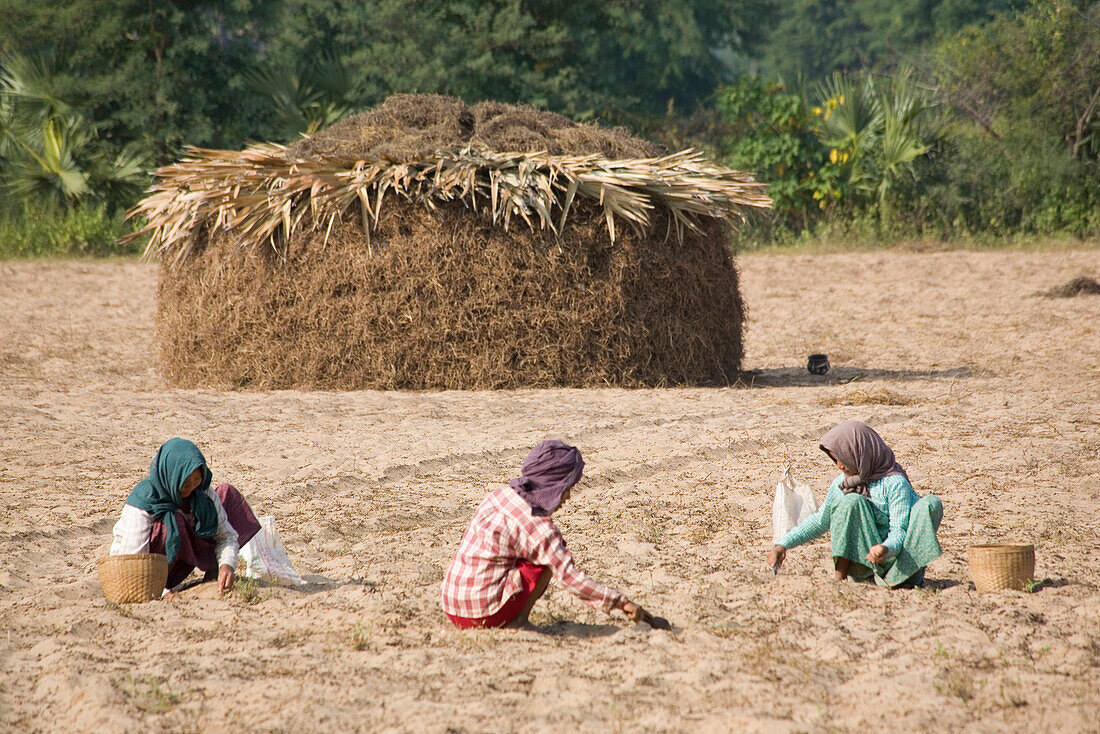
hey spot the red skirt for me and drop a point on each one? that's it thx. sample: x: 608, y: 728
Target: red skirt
x: 529, y: 574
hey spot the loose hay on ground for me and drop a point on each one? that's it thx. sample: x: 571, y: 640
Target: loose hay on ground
x: 1079, y: 286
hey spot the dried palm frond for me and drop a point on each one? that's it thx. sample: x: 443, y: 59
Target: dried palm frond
x: 264, y: 195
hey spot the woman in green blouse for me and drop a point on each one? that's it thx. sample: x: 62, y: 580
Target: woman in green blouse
x: 879, y: 526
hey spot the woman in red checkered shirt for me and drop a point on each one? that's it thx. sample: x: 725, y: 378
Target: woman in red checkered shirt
x: 512, y: 548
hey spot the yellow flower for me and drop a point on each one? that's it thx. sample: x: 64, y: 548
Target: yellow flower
x: 833, y: 155
x: 817, y: 110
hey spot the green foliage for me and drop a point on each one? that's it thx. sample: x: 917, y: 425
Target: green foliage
x: 811, y: 39
x: 613, y: 59
x: 150, y: 695
x: 53, y: 231
x: 1025, y: 141
x: 157, y: 75
x: 1000, y: 134
x: 876, y: 128
x: 841, y: 157
x: 49, y: 152
x: 771, y: 133
x: 1036, y: 74
x: 307, y: 98
x: 247, y: 589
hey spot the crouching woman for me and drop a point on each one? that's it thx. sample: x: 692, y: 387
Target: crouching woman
x: 512, y: 548
x: 879, y: 526
x: 175, y: 511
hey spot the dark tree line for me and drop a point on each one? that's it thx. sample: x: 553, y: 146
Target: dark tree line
x: 1001, y: 133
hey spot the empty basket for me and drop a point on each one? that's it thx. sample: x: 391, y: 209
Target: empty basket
x: 133, y: 578
x: 996, y: 567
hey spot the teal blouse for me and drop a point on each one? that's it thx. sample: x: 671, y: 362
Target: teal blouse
x: 892, y: 497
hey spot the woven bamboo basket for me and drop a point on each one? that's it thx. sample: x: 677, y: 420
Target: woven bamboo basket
x: 133, y: 578
x: 997, y: 567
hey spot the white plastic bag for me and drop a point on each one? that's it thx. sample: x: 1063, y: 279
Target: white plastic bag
x: 265, y: 558
x: 794, y: 502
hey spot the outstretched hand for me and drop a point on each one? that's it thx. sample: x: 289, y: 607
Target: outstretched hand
x: 776, y: 556
x: 225, y: 578
x: 638, y: 614
x: 634, y: 612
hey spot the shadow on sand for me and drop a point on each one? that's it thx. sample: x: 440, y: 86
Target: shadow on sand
x: 799, y: 377
x: 313, y: 584
x: 576, y: 629
x: 1038, y: 585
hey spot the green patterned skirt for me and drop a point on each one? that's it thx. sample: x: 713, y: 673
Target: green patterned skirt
x: 856, y: 525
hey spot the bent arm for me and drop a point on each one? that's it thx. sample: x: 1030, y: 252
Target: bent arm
x: 132, y: 531
x: 899, y: 503
x: 225, y: 537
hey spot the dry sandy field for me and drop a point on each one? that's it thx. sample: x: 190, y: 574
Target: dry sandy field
x: 988, y: 392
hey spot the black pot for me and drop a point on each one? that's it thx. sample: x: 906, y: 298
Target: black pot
x: 817, y: 364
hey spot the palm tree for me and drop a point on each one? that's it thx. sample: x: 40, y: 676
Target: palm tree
x: 48, y: 151
x: 876, y: 127
x: 308, y: 97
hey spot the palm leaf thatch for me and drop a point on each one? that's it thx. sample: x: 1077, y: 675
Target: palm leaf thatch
x: 264, y: 194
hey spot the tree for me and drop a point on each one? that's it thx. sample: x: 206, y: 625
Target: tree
x: 1026, y: 93
x: 48, y: 151
x: 771, y: 132
x: 612, y: 59
x: 813, y: 38
x: 875, y: 127
x: 1034, y: 73
x: 157, y: 74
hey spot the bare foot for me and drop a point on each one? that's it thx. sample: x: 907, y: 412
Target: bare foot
x: 520, y: 624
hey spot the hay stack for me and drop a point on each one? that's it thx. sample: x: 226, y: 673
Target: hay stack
x: 426, y: 244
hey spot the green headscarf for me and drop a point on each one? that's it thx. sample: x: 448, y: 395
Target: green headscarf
x: 159, y: 493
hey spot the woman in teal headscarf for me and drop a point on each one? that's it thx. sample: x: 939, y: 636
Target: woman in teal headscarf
x: 175, y: 511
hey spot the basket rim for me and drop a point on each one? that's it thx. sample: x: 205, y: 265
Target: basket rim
x: 1003, y: 547
x: 129, y: 556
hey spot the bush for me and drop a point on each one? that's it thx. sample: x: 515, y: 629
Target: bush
x: 84, y: 231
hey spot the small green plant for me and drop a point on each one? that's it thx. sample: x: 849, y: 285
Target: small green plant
x: 1033, y: 585
x: 361, y: 636
x: 247, y: 589
x: 957, y: 683
x: 150, y: 696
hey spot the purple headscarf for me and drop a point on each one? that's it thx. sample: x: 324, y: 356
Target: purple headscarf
x: 860, y: 449
x: 549, y: 471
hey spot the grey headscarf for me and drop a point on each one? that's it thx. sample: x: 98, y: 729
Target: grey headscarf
x: 859, y: 448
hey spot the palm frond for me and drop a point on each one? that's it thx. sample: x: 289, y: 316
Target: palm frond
x: 262, y: 195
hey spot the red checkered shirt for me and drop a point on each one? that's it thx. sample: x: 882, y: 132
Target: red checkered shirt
x: 483, y: 575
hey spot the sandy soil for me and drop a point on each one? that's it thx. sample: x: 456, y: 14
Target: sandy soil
x: 989, y: 394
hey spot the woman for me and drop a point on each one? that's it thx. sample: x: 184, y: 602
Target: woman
x: 879, y: 526
x: 175, y: 512
x: 512, y: 548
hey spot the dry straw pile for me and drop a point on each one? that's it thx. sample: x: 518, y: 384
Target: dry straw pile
x: 427, y: 244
